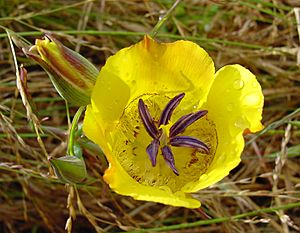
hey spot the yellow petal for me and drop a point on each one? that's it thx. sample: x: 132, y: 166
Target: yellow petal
x: 234, y: 104
x: 151, y: 67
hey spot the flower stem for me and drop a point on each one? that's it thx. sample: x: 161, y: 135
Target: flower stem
x: 162, y: 20
x: 73, y: 130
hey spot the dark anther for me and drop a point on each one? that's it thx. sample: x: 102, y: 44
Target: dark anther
x: 168, y: 110
x: 180, y: 125
x: 152, y: 151
x: 147, y: 120
x: 186, y: 141
x: 159, y: 137
x: 169, y: 158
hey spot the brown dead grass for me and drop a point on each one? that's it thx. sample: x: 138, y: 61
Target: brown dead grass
x: 261, y: 35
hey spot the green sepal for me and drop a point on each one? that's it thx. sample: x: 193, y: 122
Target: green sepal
x: 69, y: 169
x: 77, y: 150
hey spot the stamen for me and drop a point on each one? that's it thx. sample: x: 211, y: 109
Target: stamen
x: 187, y: 141
x: 161, y: 138
x: 169, y: 158
x: 152, y: 151
x: 147, y: 120
x: 181, y: 124
x: 168, y: 110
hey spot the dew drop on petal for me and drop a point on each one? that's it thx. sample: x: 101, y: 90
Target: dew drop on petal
x: 164, y: 188
x: 254, y: 84
x: 252, y: 99
x: 115, y: 102
x: 240, y: 123
x: 230, y: 107
x: 222, y: 158
x: 238, y: 84
x: 204, y: 176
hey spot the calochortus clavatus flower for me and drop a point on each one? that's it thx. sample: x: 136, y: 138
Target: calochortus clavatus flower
x: 72, y: 75
x: 167, y: 123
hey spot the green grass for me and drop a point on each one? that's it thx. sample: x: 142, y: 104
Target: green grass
x: 259, y: 34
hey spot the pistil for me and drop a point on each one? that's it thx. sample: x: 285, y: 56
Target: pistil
x: 164, y: 137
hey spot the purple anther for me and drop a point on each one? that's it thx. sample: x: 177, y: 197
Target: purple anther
x: 187, y: 141
x: 152, y: 151
x: 169, y: 158
x: 147, y: 120
x: 181, y: 124
x: 168, y: 110
x: 172, y: 139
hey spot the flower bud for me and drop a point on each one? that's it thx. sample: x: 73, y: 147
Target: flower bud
x: 69, y: 169
x: 72, y: 75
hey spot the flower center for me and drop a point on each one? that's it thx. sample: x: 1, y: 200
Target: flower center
x: 165, y: 137
x: 130, y: 139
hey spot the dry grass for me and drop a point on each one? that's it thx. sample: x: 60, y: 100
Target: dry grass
x: 259, y: 34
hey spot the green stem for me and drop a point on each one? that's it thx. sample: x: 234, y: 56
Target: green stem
x: 162, y: 21
x: 73, y: 130
x: 219, y: 220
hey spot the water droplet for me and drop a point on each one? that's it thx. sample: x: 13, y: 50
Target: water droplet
x: 222, y: 158
x: 230, y: 107
x: 238, y: 84
x: 254, y: 84
x: 164, y: 188
x: 115, y: 102
x: 240, y: 123
x: 252, y: 99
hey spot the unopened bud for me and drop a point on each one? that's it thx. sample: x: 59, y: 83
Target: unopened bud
x: 72, y: 75
x: 69, y: 169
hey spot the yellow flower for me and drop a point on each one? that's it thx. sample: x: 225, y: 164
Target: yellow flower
x: 167, y: 123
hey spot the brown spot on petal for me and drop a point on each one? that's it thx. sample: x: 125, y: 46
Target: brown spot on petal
x: 137, y: 178
x: 194, y: 159
x: 135, y: 133
x: 147, y: 41
x: 246, y: 131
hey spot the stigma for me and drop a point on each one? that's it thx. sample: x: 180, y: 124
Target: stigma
x: 164, y: 136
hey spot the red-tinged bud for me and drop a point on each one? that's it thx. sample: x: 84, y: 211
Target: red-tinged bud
x: 72, y: 75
